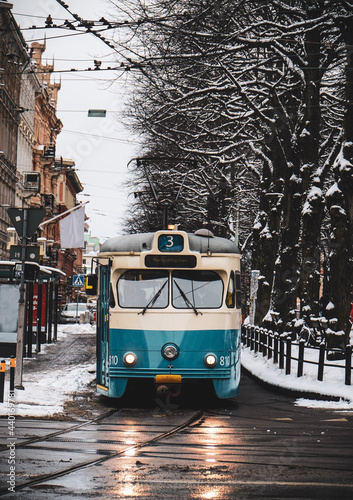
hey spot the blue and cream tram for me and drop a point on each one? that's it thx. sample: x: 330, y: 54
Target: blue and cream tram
x: 168, y: 311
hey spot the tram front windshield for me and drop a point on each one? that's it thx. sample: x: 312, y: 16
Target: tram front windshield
x: 137, y: 288
x: 200, y: 289
x: 190, y: 288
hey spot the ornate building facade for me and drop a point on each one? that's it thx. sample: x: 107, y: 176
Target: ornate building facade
x: 14, y: 59
x: 29, y: 127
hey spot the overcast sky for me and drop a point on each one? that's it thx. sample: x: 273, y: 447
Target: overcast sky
x: 101, y: 147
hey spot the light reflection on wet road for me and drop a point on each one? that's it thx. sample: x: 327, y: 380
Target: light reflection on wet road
x: 257, y: 446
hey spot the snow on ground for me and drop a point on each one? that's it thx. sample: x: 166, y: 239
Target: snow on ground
x: 332, y: 385
x: 46, y: 391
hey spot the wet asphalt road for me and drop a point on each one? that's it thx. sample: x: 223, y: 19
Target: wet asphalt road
x: 259, y: 445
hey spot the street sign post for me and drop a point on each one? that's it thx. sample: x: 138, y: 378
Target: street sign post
x: 26, y: 222
x: 34, y: 217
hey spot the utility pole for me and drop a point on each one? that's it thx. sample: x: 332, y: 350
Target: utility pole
x: 21, y: 307
x: 25, y: 221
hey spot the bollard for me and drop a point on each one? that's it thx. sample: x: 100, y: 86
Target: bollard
x: 2, y: 380
x: 269, y: 344
x: 12, y: 373
x: 264, y: 341
x: 320, y: 374
x: 348, y: 365
x: 261, y: 340
x: 30, y: 320
x: 288, y: 354
x: 252, y: 341
x: 275, y: 348
x: 256, y: 342
x: 281, y: 352
x: 301, y: 358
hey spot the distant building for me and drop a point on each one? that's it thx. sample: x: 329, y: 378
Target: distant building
x: 59, y: 181
x: 14, y: 59
x: 92, y: 247
x: 29, y: 127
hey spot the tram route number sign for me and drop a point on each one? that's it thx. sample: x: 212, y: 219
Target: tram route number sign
x: 78, y: 280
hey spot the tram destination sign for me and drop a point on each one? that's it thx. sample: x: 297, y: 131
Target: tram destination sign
x: 178, y: 261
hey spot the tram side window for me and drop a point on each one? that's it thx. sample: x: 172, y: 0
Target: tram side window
x: 201, y: 289
x: 139, y: 287
x: 230, y: 299
x: 237, y: 290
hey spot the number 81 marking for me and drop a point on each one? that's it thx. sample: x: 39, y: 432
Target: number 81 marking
x: 224, y: 360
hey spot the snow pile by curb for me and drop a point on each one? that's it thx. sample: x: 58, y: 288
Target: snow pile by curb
x: 267, y: 371
x: 46, y: 392
x: 77, y: 329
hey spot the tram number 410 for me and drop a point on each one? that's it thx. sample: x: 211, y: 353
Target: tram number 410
x: 113, y: 360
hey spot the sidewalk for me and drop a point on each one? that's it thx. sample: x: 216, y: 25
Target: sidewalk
x: 59, y: 381
x: 331, y: 392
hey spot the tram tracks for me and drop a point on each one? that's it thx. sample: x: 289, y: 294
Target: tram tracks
x: 58, y: 433
x: 195, y: 418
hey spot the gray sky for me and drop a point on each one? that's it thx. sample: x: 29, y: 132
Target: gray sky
x: 101, y: 147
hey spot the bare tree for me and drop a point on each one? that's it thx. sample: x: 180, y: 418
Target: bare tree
x: 253, y: 92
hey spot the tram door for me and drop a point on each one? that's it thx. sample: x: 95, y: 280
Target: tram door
x: 103, y: 328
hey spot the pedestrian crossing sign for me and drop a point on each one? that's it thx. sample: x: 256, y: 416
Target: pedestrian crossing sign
x: 78, y: 280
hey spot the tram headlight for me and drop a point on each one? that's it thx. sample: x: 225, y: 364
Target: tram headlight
x: 129, y: 358
x: 170, y: 351
x: 210, y: 360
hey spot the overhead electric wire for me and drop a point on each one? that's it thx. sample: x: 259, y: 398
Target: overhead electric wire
x: 97, y: 136
x: 100, y: 171
x: 38, y: 17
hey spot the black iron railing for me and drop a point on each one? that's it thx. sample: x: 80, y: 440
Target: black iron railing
x: 283, y: 350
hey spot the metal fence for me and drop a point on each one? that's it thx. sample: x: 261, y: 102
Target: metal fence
x: 280, y: 348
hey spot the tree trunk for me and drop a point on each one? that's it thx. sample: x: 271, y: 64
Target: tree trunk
x: 287, y: 265
x: 312, y: 212
x: 266, y: 235
x: 341, y: 203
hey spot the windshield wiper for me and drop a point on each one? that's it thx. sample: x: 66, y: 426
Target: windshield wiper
x: 154, y: 299
x: 186, y: 300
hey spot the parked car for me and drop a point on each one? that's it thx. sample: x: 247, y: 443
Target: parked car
x: 71, y: 312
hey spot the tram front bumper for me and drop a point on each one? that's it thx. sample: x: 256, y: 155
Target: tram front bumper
x: 168, y: 385
x: 168, y: 379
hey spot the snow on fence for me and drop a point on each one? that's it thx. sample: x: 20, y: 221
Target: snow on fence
x: 283, y: 350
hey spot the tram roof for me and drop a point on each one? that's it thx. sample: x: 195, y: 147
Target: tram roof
x: 142, y: 242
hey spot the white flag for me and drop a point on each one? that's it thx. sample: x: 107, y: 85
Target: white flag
x: 72, y: 230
